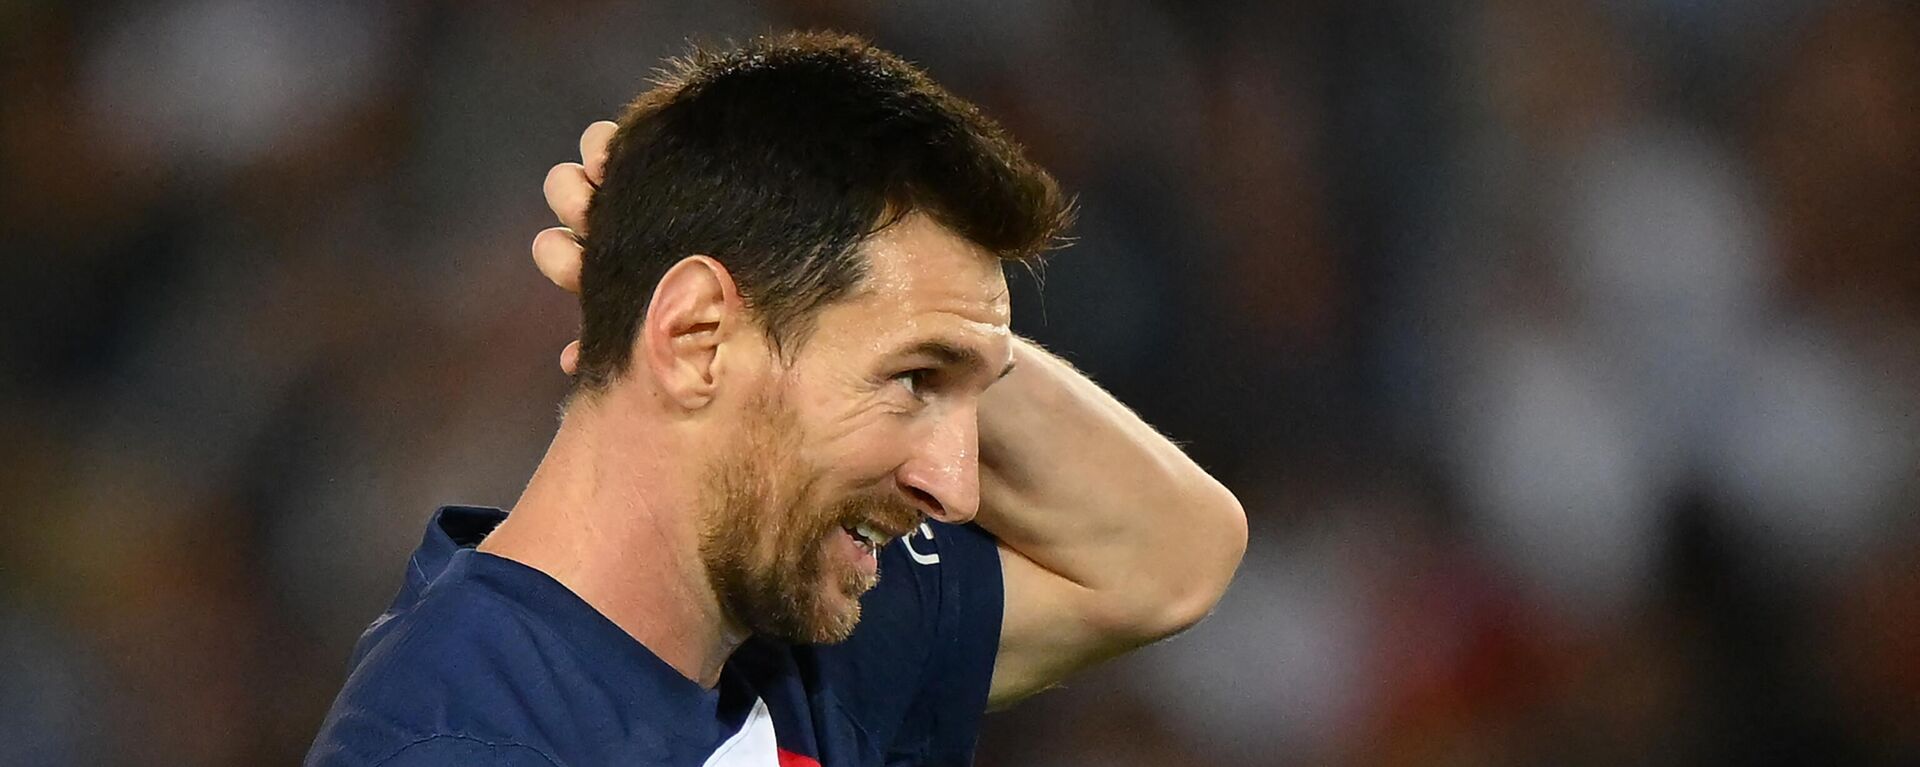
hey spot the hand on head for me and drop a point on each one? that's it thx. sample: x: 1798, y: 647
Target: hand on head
x: 569, y: 187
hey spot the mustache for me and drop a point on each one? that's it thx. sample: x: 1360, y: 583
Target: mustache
x: 885, y: 512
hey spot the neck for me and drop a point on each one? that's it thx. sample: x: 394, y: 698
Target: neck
x: 612, y: 520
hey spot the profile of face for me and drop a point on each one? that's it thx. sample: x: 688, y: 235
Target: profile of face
x: 871, y: 424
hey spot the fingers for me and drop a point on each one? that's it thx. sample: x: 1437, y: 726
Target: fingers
x: 567, y: 194
x: 557, y: 254
x: 568, y: 188
x: 593, y: 149
x: 570, y: 185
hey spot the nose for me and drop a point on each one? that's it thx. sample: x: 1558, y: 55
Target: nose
x: 943, y: 475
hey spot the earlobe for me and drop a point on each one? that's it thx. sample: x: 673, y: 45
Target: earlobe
x: 695, y: 309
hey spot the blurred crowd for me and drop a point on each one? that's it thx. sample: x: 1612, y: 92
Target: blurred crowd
x: 1565, y: 353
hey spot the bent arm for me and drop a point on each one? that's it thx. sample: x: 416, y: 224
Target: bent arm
x: 1111, y: 537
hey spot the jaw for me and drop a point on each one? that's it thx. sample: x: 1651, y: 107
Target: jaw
x: 848, y: 570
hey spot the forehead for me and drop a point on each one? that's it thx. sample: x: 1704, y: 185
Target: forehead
x: 924, y: 280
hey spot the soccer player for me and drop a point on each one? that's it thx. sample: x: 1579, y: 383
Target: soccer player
x: 811, y: 502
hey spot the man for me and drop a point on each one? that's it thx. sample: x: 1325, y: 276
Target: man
x: 754, y: 537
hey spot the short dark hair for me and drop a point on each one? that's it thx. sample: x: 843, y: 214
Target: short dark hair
x: 778, y: 158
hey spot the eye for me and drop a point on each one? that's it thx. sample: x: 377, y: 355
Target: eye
x: 913, y: 380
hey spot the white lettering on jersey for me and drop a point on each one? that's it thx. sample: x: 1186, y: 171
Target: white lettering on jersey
x: 907, y: 541
x: 752, y: 746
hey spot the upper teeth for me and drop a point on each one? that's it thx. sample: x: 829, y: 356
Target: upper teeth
x: 873, y: 538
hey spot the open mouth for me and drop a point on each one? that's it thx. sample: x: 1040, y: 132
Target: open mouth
x: 868, y: 537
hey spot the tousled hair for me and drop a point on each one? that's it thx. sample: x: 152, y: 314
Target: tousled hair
x: 778, y: 158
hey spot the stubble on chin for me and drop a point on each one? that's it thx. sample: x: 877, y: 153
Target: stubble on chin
x: 764, y: 547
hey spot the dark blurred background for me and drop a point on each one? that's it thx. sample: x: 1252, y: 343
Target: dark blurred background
x: 1565, y: 353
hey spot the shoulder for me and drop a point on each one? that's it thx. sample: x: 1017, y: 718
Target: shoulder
x: 938, y: 564
x: 456, y: 637
x: 450, y: 750
x: 915, y: 673
x: 948, y: 578
x: 498, y: 654
x: 449, y: 681
x: 939, y: 581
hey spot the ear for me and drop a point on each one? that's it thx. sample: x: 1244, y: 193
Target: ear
x: 695, y: 309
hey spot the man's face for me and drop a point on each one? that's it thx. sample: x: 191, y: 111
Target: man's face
x: 873, y: 424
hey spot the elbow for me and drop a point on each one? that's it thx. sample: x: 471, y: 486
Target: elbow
x: 1192, y: 583
x: 1224, y: 528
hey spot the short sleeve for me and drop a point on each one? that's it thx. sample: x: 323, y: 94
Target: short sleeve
x: 915, y: 673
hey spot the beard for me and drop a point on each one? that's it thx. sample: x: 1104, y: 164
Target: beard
x: 767, y: 542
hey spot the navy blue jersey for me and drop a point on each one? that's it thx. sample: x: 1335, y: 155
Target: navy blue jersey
x: 485, y: 661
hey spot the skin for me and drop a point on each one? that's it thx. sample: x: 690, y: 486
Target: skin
x: 873, y: 421
x: 880, y: 407
x: 1110, y: 536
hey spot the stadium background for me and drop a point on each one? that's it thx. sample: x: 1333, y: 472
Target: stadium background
x: 1564, y: 353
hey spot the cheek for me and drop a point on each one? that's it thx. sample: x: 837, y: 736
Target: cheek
x: 868, y: 455
x: 861, y: 447
x: 854, y: 434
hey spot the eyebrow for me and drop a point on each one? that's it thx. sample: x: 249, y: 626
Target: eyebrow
x: 949, y: 355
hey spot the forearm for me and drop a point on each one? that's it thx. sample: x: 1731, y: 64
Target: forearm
x: 1074, y: 481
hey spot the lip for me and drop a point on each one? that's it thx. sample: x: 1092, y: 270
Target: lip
x: 892, y: 532
x: 895, y: 533
x: 862, y: 559
x: 889, y: 528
